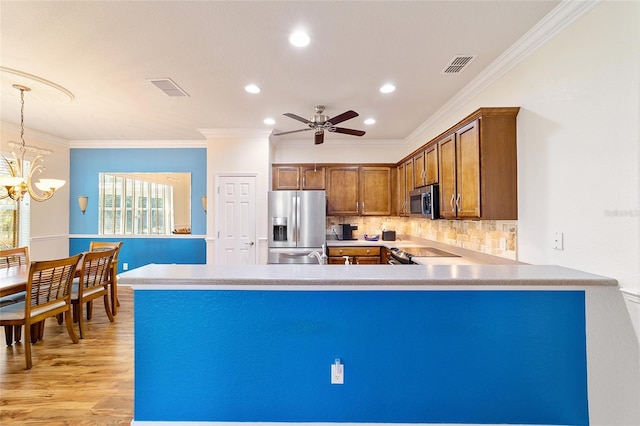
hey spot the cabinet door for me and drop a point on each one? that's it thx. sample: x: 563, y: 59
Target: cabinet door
x: 431, y: 165
x: 447, y: 167
x: 402, y: 188
x: 375, y: 191
x: 342, y: 191
x: 468, y: 171
x: 419, y: 170
x: 408, y: 166
x: 285, y: 177
x: 312, y: 177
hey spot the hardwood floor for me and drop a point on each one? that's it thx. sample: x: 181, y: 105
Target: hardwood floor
x: 89, y: 383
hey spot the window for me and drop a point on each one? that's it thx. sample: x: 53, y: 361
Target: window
x: 14, y: 216
x: 134, y: 206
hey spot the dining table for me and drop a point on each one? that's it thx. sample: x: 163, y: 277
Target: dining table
x: 13, y: 280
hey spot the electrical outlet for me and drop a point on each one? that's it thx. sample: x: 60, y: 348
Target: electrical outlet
x: 333, y: 229
x: 125, y: 266
x: 337, y: 373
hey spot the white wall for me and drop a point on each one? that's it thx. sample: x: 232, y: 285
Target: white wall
x: 49, y: 219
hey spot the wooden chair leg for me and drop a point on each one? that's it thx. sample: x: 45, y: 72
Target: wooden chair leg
x: 41, y: 330
x: 115, y: 303
x: 27, y: 345
x: 107, y: 309
x: 8, y: 334
x: 89, y: 310
x: 17, y: 333
x: 69, y: 322
x: 34, y: 332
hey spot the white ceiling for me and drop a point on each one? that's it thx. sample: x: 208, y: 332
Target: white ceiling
x: 103, y: 52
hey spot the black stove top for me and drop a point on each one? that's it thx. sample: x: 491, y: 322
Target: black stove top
x: 405, y: 254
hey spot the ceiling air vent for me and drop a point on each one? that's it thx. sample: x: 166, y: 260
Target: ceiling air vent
x: 457, y: 64
x: 168, y: 86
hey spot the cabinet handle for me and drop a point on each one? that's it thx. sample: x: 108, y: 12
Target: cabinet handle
x: 368, y: 251
x: 451, y: 202
x: 363, y: 207
x: 357, y: 207
x: 304, y: 182
x: 458, y: 203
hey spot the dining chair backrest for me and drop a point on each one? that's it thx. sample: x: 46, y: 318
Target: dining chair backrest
x: 106, y: 245
x: 49, y: 284
x: 14, y: 257
x: 95, y: 271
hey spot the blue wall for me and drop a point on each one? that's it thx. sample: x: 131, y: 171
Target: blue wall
x: 86, y: 164
x: 501, y: 357
x: 142, y: 251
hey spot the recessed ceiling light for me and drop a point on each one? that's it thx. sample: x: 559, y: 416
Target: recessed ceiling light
x: 299, y: 39
x: 387, y: 88
x: 269, y: 121
x: 252, y: 88
x: 370, y: 121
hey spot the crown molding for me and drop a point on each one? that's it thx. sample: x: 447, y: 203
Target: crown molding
x: 565, y: 14
x: 127, y: 144
x: 236, y: 133
x: 343, y: 143
x: 631, y: 295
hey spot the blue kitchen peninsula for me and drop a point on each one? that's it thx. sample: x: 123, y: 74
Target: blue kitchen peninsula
x: 460, y: 344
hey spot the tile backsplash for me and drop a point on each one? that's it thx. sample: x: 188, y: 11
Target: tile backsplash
x: 495, y: 237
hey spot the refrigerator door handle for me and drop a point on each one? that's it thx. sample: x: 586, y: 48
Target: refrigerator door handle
x: 296, y: 219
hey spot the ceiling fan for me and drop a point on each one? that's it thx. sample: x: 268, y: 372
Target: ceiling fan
x: 321, y: 122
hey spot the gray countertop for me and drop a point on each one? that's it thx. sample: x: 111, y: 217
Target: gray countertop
x: 310, y: 277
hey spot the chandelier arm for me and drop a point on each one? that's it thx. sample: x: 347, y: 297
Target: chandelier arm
x: 36, y: 165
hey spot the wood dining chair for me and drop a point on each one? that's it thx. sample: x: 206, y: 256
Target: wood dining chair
x: 92, y: 283
x: 48, y: 295
x: 106, y: 245
x: 14, y: 257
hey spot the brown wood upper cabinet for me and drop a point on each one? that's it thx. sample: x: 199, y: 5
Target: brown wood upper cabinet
x: 359, y: 191
x: 425, y: 166
x: 405, y: 186
x: 478, y: 168
x: 294, y: 177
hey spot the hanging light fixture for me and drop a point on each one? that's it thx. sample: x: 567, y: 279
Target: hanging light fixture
x: 19, y: 182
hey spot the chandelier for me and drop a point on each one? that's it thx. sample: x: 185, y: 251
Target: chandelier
x: 21, y: 181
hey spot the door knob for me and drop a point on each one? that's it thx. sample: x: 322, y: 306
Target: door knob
x: 250, y: 243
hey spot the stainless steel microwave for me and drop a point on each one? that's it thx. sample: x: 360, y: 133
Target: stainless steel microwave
x: 423, y: 202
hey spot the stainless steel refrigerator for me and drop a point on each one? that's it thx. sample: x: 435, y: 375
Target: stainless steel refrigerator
x: 297, y: 225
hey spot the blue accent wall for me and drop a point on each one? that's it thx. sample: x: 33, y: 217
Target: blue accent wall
x: 142, y: 251
x: 86, y: 164
x: 472, y: 357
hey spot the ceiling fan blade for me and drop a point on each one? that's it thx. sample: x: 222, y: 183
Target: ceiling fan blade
x: 319, y: 138
x: 348, y: 131
x: 297, y: 117
x: 343, y: 117
x: 292, y: 131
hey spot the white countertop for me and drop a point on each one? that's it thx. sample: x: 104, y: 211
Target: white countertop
x: 379, y: 276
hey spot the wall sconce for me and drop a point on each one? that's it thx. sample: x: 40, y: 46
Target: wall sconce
x: 204, y: 203
x: 82, y: 202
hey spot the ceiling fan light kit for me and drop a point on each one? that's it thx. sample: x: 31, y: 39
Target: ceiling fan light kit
x: 320, y: 122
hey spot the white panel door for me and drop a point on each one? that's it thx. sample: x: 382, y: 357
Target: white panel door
x: 237, y: 220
